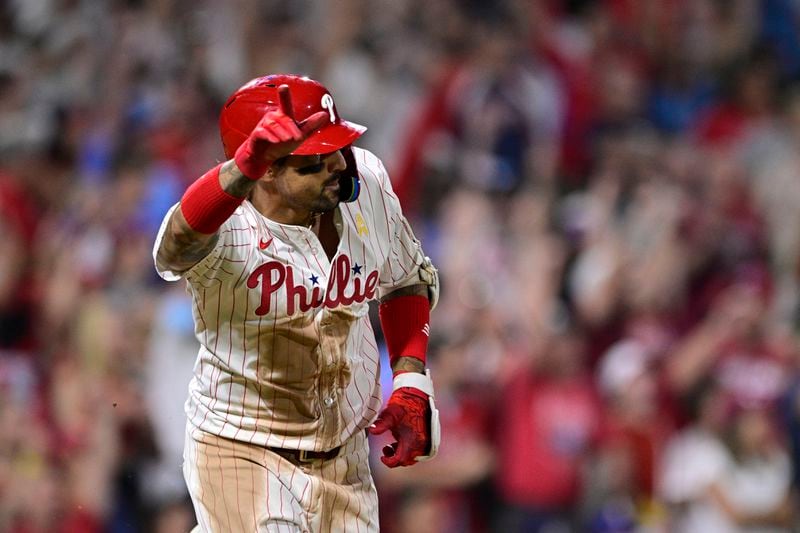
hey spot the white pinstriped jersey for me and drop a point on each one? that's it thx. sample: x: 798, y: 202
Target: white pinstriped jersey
x: 287, y: 356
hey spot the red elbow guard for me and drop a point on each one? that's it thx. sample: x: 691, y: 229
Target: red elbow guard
x: 405, y: 321
x: 205, y: 206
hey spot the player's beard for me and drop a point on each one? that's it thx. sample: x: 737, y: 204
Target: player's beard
x: 328, y: 197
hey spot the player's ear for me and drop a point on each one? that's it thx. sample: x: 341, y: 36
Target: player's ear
x: 275, y: 170
x: 269, y: 176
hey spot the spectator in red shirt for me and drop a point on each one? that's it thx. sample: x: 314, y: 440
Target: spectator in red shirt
x: 548, y: 423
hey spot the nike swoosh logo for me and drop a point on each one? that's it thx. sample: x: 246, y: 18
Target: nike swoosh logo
x: 262, y: 244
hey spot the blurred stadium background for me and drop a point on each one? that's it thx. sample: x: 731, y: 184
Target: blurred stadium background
x: 610, y: 188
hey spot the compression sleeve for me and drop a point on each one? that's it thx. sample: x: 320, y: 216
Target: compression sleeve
x: 205, y: 206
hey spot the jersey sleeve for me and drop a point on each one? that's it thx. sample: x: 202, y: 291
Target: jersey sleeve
x: 405, y: 257
x: 207, y: 266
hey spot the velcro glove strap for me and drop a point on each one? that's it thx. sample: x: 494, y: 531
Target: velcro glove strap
x: 416, y: 380
x: 424, y: 383
x: 436, y: 433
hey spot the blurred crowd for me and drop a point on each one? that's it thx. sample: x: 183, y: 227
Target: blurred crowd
x: 610, y: 188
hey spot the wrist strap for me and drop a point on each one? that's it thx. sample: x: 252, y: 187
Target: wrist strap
x: 415, y: 380
x: 253, y: 166
x: 205, y: 206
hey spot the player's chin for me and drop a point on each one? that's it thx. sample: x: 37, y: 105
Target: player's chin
x: 327, y: 200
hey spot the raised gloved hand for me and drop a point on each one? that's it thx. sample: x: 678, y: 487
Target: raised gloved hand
x: 276, y: 135
x: 412, y: 418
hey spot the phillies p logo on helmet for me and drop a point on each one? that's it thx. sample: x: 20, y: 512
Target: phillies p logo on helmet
x: 327, y: 103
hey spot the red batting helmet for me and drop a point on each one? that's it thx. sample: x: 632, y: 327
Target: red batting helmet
x: 248, y: 104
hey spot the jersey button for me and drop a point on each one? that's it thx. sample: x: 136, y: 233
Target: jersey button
x: 315, y: 250
x: 328, y: 401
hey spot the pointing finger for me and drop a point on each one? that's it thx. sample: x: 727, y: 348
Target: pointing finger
x: 286, y: 101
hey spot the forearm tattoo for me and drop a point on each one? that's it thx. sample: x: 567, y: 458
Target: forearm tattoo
x: 182, y: 247
x: 408, y: 364
x: 233, y: 181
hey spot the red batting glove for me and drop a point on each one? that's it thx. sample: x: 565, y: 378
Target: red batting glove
x: 276, y: 135
x: 407, y: 415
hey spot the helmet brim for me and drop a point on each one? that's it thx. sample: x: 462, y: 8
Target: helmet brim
x: 330, y: 138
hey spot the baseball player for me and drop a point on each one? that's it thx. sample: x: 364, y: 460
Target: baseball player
x: 282, y: 247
